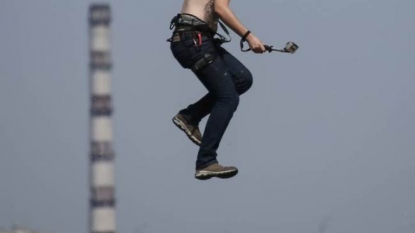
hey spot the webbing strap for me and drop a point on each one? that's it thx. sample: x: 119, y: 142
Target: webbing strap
x: 222, y: 38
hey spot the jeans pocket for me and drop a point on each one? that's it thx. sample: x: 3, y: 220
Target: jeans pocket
x: 187, y: 53
x: 183, y: 52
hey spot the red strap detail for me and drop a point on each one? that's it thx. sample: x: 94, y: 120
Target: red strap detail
x: 199, y: 36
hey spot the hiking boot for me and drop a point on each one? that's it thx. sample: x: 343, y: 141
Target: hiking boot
x: 191, y: 130
x: 216, y: 170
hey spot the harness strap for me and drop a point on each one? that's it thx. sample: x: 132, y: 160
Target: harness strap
x: 221, y: 37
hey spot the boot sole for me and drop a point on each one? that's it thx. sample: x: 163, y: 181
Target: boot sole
x: 205, y: 175
x: 177, y: 122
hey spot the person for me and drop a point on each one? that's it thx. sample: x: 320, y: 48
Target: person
x: 195, y: 47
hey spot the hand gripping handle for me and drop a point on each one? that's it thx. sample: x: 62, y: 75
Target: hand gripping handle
x: 291, y: 47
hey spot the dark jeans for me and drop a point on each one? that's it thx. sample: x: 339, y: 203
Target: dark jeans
x: 225, y: 79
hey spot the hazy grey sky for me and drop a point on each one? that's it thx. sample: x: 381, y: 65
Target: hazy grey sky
x: 323, y: 140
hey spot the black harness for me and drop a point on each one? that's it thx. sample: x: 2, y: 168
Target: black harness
x: 187, y: 22
x: 190, y: 23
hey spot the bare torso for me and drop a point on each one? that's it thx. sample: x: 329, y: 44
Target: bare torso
x: 202, y: 9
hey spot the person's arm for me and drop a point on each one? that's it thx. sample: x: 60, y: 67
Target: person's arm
x: 224, y: 12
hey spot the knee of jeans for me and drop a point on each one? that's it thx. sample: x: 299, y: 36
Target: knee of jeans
x: 245, y: 81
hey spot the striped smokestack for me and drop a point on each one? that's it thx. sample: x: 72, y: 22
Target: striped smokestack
x: 102, y: 193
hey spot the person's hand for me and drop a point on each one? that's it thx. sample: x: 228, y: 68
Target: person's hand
x: 255, y: 44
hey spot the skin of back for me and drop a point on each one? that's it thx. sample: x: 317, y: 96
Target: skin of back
x: 203, y: 9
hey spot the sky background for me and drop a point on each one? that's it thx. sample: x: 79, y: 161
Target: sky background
x: 324, y: 140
